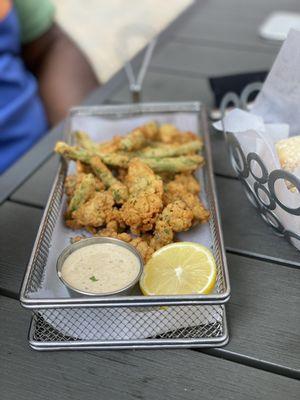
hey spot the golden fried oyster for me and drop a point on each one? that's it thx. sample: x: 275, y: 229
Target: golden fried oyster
x: 176, y: 217
x: 184, y: 187
x: 108, y: 232
x: 96, y: 211
x: 143, y: 246
x: 140, y: 243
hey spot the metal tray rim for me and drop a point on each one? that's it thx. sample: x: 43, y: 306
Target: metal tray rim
x: 136, y: 300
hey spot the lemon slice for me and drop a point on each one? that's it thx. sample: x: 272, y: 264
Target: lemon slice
x: 179, y: 268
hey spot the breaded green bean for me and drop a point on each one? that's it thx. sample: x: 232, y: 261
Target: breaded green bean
x: 117, y: 188
x: 119, y: 159
x: 84, y: 155
x: 135, y: 140
x: 166, y: 164
x: 85, y: 141
x: 82, y: 193
x: 171, y: 151
x: 111, y: 158
x: 72, y: 153
x: 174, y: 164
x: 115, y: 159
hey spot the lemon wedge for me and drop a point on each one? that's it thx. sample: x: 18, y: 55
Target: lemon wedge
x: 179, y: 268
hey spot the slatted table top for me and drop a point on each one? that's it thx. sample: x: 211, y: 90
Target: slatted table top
x: 261, y: 360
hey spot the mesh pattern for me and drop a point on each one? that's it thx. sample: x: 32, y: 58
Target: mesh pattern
x: 42, y: 248
x: 130, y: 324
x: 220, y: 286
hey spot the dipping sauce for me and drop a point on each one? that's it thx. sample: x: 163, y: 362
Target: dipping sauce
x: 100, y: 268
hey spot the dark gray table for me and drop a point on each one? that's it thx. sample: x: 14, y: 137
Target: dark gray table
x: 262, y: 359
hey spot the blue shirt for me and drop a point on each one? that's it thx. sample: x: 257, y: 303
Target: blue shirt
x: 22, y: 115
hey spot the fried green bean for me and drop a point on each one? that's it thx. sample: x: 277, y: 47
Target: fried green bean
x: 111, y: 158
x: 85, y: 141
x: 84, y: 155
x: 117, y: 188
x: 82, y: 193
x: 121, y: 159
x: 166, y: 164
x: 72, y: 153
x: 135, y: 140
x: 171, y: 151
x: 174, y: 164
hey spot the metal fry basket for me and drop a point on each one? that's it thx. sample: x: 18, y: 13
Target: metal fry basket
x: 61, y: 322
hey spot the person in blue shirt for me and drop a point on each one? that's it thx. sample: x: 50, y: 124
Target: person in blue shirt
x: 42, y: 74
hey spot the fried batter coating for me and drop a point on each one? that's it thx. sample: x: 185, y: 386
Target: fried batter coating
x: 189, y: 182
x: 139, y: 137
x: 186, y: 188
x: 83, y: 191
x: 168, y: 133
x: 73, y: 181
x: 176, y: 217
x: 95, y: 211
x: 70, y: 184
x: 133, y: 141
x: 141, y: 179
x: 150, y: 130
x: 140, y: 243
x: 193, y: 202
x: 82, y: 168
x: 111, y: 146
x: 175, y: 164
x: 143, y: 247
x: 117, y: 188
x: 169, y: 150
x: 107, y: 232
x: 140, y: 213
x: 145, y: 197
x: 200, y: 213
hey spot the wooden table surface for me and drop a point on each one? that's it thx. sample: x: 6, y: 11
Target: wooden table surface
x: 261, y: 361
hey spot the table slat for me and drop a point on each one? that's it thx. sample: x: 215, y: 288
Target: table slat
x: 41, y: 182
x: 245, y: 231
x: 132, y: 375
x: 254, y: 11
x: 240, y: 35
x: 19, y: 225
x: 203, y: 61
x: 262, y: 313
x: 160, y: 86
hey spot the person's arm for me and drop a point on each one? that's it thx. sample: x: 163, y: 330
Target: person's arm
x: 64, y: 75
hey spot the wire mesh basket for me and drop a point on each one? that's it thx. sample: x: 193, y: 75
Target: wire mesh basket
x: 61, y: 322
